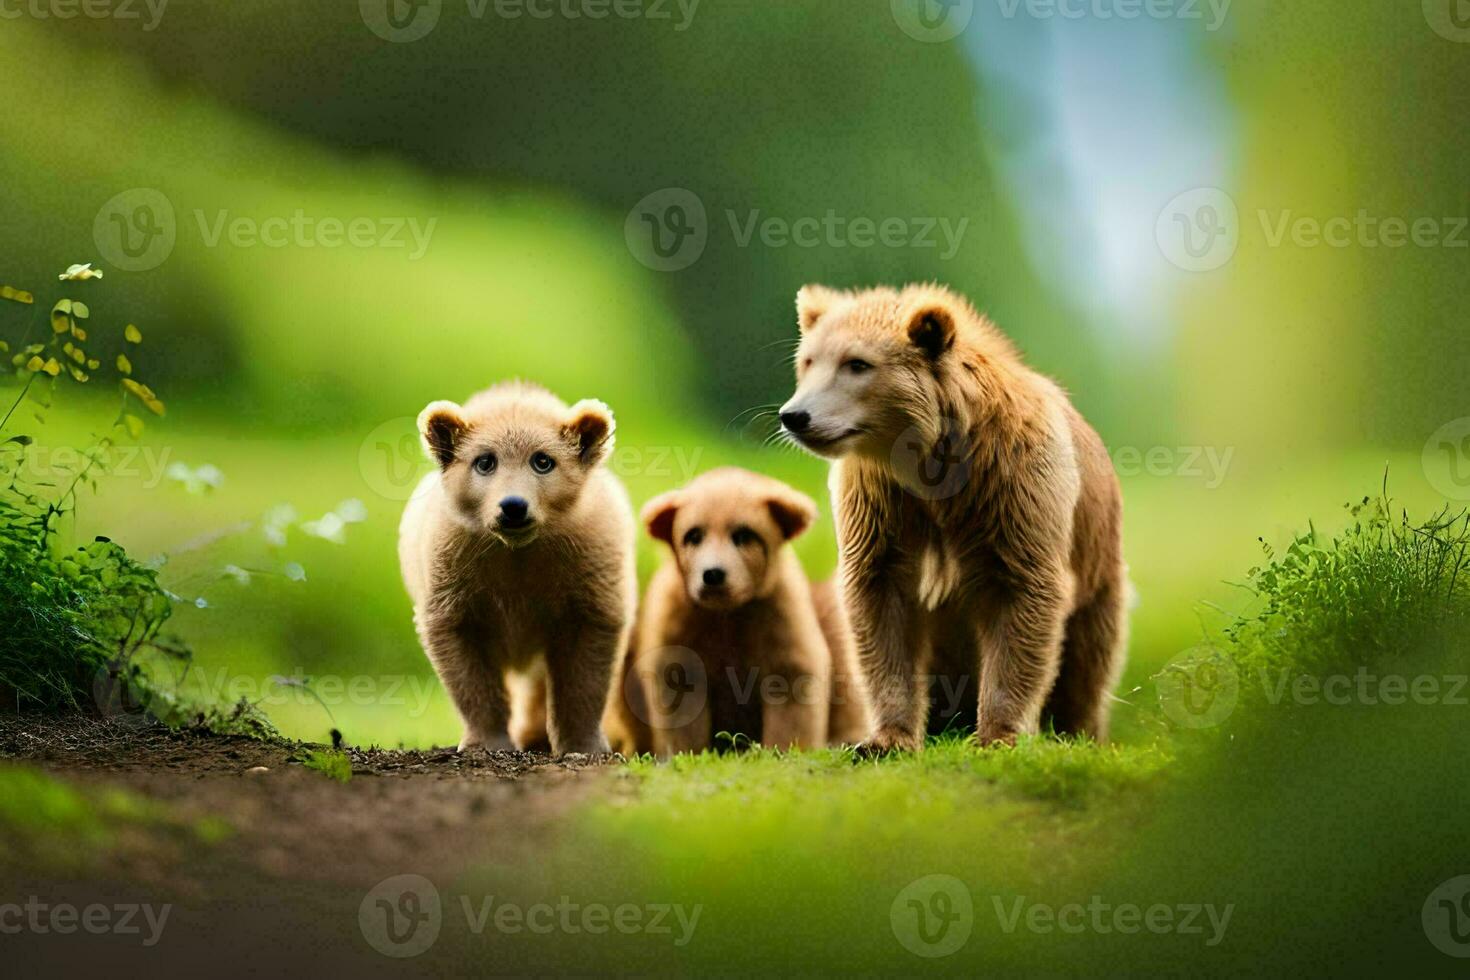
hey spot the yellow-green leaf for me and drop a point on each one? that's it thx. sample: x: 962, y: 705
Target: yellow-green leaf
x: 60, y: 323
x: 16, y: 295
x: 133, y: 334
x: 78, y: 333
x: 80, y: 311
x: 154, y: 405
x: 134, y: 425
x: 124, y: 365
x: 34, y: 364
x: 93, y: 364
x: 52, y: 367
x: 79, y: 374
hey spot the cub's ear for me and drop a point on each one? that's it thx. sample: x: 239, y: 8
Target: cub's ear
x: 658, y: 516
x: 812, y: 302
x: 590, y: 428
x: 931, y: 329
x: 442, y: 426
x: 793, y: 512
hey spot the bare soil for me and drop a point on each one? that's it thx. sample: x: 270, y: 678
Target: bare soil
x: 297, y: 839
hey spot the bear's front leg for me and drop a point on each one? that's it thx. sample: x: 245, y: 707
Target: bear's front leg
x: 474, y: 684
x: 890, y: 638
x: 794, y: 715
x: 579, y: 665
x: 1020, y: 655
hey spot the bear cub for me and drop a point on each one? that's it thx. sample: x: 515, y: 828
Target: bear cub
x: 732, y: 636
x: 518, y: 556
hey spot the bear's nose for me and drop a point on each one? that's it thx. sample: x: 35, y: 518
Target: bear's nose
x: 796, y: 421
x: 513, y: 511
x: 714, y: 576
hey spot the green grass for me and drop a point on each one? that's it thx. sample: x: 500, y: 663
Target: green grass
x: 329, y: 762
x: 1321, y: 828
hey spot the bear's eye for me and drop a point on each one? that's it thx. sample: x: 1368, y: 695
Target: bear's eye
x: 485, y: 465
x: 693, y: 536
x: 743, y: 536
x: 857, y: 365
x: 542, y: 463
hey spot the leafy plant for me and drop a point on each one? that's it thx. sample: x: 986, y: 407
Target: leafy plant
x: 74, y: 622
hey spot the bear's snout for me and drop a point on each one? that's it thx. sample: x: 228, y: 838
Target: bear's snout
x: 514, y: 512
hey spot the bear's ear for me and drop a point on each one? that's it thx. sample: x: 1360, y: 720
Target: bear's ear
x: 931, y: 329
x: 442, y: 426
x: 658, y: 516
x: 812, y: 302
x: 793, y: 512
x: 590, y: 429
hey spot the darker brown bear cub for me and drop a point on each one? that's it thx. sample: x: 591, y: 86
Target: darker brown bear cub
x: 979, y: 517
x: 732, y: 637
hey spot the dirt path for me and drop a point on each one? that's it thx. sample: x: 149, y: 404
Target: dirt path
x: 262, y: 862
x: 424, y: 809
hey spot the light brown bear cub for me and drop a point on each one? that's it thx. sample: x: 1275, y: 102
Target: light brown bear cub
x: 730, y: 638
x: 518, y: 555
x: 979, y: 517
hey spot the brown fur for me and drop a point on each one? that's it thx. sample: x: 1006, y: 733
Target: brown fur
x: 979, y: 517
x: 753, y: 651
x: 542, y: 610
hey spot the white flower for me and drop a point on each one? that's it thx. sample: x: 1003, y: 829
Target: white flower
x: 328, y: 527
x: 351, y: 511
x: 295, y: 572
x: 277, y: 519
x: 237, y: 573
x: 80, y: 273
x: 206, y: 477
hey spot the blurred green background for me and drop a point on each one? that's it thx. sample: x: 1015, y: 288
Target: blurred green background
x: 1242, y: 391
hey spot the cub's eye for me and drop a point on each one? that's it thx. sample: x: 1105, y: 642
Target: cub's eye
x: 485, y: 465
x: 743, y: 536
x: 542, y: 463
x: 693, y: 536
x: 857, y: 365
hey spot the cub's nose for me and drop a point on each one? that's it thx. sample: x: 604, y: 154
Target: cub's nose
x: 714, y: 576
x: 796, y: 421
x: 513, y: 511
